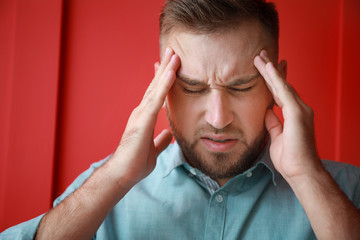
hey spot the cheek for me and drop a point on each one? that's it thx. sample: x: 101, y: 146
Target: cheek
x: 250, y: 111
x: 173, y: 102
x: 184, y: 110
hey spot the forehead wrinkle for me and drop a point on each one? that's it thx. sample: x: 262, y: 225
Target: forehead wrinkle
x: 227, y: 67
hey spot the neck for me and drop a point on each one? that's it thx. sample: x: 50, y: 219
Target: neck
x: 222, y: 181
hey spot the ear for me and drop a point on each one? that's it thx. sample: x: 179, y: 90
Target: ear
x: 282, y: 68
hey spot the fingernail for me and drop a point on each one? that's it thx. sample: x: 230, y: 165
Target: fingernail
x: 263, y: 53
x: 168, y: 51
x: 173, y: 58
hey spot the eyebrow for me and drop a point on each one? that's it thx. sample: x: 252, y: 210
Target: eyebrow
x: 190, y: 81
x: 237, y: 82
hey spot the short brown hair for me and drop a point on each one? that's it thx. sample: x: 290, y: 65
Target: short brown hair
x: 208, y: 16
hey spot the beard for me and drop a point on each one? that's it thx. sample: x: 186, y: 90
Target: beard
x: 220, y: 165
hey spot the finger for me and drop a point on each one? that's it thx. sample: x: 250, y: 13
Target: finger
x: 283, y: 90
x: 273, y: 124
x: 156, y: 66
x: 158, y: 89
x: 265, y: 56
x: 170, y: 62
x: 167, y: 79
x: 260, y: 64
x: 164, y: 61
x: 162, y: 141
x: 282, y: 68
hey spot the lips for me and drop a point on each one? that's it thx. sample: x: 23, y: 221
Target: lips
x: 219, y: 143
x: 219, y: 140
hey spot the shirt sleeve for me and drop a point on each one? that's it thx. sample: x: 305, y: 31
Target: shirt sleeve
x: 27, y: 230
x: 79, y: 181
x: 347, y: 177
x: 23, y: 231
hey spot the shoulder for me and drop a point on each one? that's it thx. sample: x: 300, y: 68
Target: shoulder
x: 347, y: 176
x: 340, y: 170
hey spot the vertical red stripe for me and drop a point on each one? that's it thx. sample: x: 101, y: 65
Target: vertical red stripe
x: 30, y: 43
x: 350, y: 107
x: 339, y: 82
x: 7, y: 38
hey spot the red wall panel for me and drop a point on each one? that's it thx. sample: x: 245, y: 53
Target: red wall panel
x: 349, y: 100
x: 309, y: 39
x: 106, y: 61
x: 30, y: 37
x: 109, y: 51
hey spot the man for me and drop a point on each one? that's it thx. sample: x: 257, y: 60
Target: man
x: 235, y: 172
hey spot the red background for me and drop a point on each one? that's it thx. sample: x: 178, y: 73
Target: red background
x: 72, y: 71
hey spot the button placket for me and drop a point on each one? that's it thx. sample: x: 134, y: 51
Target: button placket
x: 216, y: 216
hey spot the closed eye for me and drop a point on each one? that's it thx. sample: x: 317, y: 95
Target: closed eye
x: 193, y: 91
x: 241, y: 89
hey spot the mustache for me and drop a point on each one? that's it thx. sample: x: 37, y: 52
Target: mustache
x: 228, y: 130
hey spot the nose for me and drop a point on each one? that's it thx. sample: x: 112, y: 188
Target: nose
x: 218, y: 110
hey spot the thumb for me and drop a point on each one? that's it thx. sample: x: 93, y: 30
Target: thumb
x: 162, y: 141
x: 273, y: 124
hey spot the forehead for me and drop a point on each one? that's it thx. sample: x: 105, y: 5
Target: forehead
x: 219, y: 54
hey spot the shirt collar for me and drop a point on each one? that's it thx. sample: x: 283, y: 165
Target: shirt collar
x: 178, y: 159
x: 265, y: 160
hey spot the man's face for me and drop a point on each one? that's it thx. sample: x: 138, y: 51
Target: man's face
x: 217, y: 104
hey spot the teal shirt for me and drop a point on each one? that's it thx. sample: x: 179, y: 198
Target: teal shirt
x: 173, y: 203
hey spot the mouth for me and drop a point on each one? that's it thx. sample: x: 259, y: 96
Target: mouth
x: 218, y: 143
x: 219, y: 140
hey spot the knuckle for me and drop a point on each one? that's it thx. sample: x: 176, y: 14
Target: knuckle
x: 309, y: 112
x: 147, y: 100
x: 297, y: 112
x: 128, y: 136
x: 304, y: 114
x: 289, y: 88
x: 135, y: 113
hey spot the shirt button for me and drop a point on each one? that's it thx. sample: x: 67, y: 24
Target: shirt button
x: 219, y: 198
x: 193, y: 172
x: 249, y: 174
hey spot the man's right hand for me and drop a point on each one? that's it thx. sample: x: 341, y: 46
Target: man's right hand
x: 133, y: 160
x: 136, y: 154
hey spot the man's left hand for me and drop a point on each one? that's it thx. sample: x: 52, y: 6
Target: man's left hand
x: 293, y: 152
x: 292, y: 149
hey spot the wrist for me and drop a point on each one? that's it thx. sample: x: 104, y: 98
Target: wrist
x: 302, y: 169
x: 308, y: 178
x: 118, y: 176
